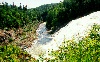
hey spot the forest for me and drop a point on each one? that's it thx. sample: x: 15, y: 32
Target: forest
x: 68, y: 10
x: 56, y: 15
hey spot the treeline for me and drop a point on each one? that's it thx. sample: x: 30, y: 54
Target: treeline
x: 56, y: 15
x: 40, y: 13
x: 12, y: 16
x: 67, y: 10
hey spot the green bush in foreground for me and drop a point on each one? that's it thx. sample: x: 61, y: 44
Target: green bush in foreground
x: 87, y: 50
x: 12, y: 53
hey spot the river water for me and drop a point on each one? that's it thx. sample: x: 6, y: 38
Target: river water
x: 43, y: 36
x: 76, y: 29
x: 38, y: 46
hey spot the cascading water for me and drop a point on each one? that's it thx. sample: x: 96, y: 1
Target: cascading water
x: 75, y: 29
x: 42, y: 40
x: 43, y: 36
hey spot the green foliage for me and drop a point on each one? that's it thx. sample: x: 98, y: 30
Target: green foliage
x: 10, y: 39
x: 12, y: 53
x: 69, y: 10
x: 87, y: 50
x: 56, y: 15
x: 41, y: 12
x: 13, y: 17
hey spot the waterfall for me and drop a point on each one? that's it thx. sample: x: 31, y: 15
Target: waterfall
x: 76, y: 29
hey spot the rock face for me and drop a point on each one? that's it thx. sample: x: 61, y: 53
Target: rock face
x: 76, y: 29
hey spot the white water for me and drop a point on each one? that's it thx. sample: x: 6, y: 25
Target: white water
x: 75, y: 29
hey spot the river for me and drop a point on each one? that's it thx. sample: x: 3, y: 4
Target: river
x: 76, y: 29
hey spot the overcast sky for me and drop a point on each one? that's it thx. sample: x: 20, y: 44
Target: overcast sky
x: 31, y: 3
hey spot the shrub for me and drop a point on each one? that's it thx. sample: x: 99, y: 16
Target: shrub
x: 12, y: 53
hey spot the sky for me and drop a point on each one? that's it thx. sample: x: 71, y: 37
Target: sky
x: 31, y: 3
